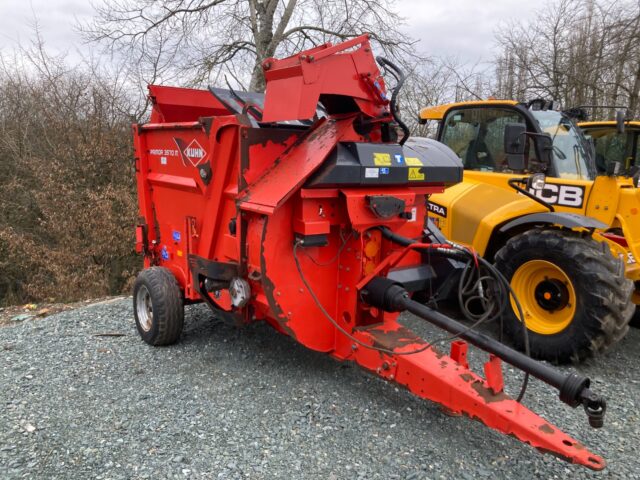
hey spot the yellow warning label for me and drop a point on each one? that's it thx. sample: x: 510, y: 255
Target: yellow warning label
x: 415, y: 173
x: 413, y: 161
x: 382, y: 159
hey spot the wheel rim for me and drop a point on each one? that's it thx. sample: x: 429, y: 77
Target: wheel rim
x: 546, y: 295
x: 144, y: 308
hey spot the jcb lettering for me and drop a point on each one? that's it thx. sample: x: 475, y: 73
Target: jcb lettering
x: 557, y: 194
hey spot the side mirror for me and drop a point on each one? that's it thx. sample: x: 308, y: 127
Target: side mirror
x: 545, y: 145
x: 620, y: 118
x: 515, y: 136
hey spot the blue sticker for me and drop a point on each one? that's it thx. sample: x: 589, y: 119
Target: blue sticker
x: 176, y: 236
x: 164, y: 254
x: 399, y: 159
x: 384, y: 171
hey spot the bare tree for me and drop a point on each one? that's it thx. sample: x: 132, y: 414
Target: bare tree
x: 574, y: 51
x: 435, y: 81
x: 196, y: 41
x: 67, y: 191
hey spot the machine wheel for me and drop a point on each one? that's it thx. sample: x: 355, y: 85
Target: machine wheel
x: 158, y: 306
x: 573, y: 292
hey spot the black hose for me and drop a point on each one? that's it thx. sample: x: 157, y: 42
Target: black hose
x: 400, y: 77
x: 503, y: 291
x: 395, y: 238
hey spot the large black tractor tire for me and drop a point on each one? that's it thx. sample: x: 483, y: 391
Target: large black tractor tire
x: 158, y: 306
x: 577, y: 300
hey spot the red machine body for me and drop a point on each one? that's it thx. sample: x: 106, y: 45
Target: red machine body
x: 228, y: 185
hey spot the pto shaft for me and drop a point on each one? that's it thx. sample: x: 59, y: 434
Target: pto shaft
x: 574, y: 389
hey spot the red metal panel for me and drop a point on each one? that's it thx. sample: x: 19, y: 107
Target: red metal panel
x: 293, y: 167
x: 173, y: 104
x: 301, y: 79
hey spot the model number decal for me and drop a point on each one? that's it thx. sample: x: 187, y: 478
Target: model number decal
x: 168, y: 152
x: 558, y: 194
x: 437, y: 209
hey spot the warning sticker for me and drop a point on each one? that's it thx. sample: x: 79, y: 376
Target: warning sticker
x: 413, y: 161
x: 415, y: 173
x: 382, y: 159
x: 371, y: 173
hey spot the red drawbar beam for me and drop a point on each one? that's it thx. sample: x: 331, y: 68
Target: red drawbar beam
x: 434, y: 376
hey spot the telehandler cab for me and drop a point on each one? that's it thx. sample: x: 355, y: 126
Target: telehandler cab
x: 533, y: 203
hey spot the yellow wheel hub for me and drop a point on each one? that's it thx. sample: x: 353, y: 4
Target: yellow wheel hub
x: 546, y: 295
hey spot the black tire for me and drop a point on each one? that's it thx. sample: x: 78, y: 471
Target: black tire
x: 603, y: 295
x: 158, y: 306
x: 635, y: 318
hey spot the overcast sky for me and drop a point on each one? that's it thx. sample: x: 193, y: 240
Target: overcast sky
x: 461, y: 28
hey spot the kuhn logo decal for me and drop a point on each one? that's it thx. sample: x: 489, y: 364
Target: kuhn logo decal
x: 558, y: 194
x: 437, y: 209
x: 192, y: 153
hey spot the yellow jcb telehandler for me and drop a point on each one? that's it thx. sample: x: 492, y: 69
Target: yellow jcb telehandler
x: 532, y: 202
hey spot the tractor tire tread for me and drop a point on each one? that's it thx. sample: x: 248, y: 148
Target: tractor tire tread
x: 604, y: 289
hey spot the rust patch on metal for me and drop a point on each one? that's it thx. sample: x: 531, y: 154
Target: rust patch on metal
x: 443, y: 364
x: 437, y: 352
x: 487, y: 394
x: 467, y: 377
x: 392, y: 339
x: 269, y: 287
x: 546, y: 428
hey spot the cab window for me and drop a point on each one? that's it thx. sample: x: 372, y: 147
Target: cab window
x: 476, y: 135
x: 610, y: 147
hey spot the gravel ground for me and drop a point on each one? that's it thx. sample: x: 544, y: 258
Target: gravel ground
x: 250, y: 403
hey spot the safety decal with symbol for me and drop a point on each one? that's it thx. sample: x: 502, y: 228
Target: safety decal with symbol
x: 415, y: 173
x: 382, y: 159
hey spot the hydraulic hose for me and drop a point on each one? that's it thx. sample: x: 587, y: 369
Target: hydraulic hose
x: 400, y: 79
x: 574, y: 389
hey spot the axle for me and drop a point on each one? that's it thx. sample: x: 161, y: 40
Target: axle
x: 574, y: 389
